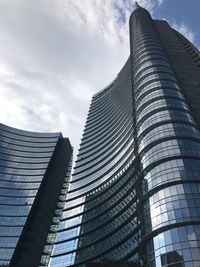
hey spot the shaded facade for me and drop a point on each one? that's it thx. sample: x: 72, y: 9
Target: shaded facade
x: 33, y: 169
x: 135, y: 193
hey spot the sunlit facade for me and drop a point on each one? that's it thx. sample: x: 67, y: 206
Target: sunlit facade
x: 33, y: 169
x: 135, y: 193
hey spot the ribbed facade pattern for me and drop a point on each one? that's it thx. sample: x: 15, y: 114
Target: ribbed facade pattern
x: 24, y: 159
x: 135, y: 192
x: 99, y: 219
x: 168, y: 141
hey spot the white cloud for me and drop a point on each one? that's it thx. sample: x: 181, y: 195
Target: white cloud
x: 160, y: 2
x: 184, y: 29
x: 54, y: 55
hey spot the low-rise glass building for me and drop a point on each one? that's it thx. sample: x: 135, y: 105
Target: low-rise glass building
x: 33, y: 173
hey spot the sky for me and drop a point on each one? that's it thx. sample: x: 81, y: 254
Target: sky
x: 54, y: 55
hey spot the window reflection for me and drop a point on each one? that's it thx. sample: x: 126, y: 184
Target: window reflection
x: 24, y: 157
x: 175, y: 247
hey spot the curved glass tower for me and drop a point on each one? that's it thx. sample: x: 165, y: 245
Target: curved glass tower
x: 33, y: 170
x: 135, y: 192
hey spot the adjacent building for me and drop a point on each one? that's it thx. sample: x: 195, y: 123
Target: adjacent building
x: 34, y: 173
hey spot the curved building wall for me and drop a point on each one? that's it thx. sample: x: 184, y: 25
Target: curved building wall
x: 168, y: 141
x: 134, y: 195
x: 99, y: 220
x: 24, y: 160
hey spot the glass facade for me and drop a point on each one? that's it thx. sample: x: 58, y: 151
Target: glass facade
x: 24, y: 160
x: 135, y: 193
x: 168, y: 141
x: 99, y: 219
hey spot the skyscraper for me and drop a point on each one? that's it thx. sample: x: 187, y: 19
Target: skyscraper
x: 135, y: 192
x: 33, y: 178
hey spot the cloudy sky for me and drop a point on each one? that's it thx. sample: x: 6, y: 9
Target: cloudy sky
x: 54, y: 55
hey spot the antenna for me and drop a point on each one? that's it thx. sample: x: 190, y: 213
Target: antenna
x: 137, y: 5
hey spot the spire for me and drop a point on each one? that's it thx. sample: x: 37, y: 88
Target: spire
x: 137, y: 5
